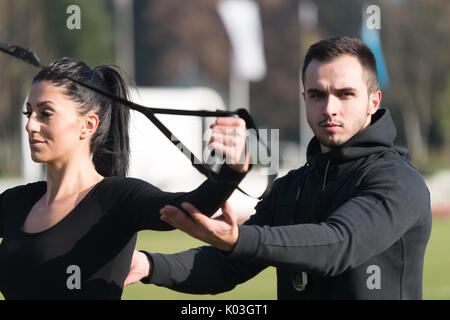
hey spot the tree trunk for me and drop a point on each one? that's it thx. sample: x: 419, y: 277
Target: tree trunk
x: 416, y: 143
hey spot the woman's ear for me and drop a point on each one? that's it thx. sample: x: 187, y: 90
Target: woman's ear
x: 89, y: 125
x: 374, y: 101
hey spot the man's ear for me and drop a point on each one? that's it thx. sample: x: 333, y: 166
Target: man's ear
x: 89, y: 125
x: 374, y: 101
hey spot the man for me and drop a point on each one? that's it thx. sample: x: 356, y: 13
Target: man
x: 353, y: 223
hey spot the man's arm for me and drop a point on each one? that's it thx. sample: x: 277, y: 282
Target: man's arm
x: 203, y: 270
x: 386, y: 206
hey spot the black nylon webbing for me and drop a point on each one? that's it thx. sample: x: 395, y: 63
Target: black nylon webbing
x: 30, y: 57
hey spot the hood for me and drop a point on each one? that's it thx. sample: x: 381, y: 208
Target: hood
x: 377, y: 137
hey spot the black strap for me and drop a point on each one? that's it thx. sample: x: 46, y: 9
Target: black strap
x: 30, y: 57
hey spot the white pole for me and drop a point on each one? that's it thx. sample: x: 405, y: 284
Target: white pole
x: 124, y: 35
x: 239, y: 92
x: 242, y: 22
x: 308, y: 19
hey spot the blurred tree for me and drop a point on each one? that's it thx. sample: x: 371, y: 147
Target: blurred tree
x: 185, y: 44
x: 93, y: 43
x: 415, y: 35
x: 20, y: 23
x: 180, y: 43
x: 41, y: 26
x: 441, y: 114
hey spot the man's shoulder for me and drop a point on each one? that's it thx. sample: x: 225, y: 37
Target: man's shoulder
x: 395, y: 162
x: 391, y: 168
x: 292, y: 175
x: 290, y: 180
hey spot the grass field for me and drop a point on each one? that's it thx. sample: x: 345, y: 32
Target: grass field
x: 263, y: 286
x: 436, y: 269
x: 437, y: 262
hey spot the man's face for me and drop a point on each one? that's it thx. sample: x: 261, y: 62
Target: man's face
x: 338, y: 105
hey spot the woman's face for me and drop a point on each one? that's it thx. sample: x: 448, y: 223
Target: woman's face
x: 54, y: 126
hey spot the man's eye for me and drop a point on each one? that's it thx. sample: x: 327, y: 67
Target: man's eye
x: 316, y: 95
x: 347, y: 94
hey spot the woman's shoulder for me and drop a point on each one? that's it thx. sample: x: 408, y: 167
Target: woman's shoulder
x: 127, y: 183
x: 127, y: 188
x: 21, y: 190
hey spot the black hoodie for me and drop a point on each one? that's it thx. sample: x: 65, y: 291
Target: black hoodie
x: 352, y: 223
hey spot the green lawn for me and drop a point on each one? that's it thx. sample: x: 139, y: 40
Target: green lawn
x: 436, y: 269
x: 437, y: 262
x: 263, y: 286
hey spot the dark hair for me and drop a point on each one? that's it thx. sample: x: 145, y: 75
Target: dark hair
x: 110, y: 143
x: 329, y: 49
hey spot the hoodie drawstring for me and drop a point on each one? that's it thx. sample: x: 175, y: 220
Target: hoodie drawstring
x: 325, y: 177
x: 304, y: 173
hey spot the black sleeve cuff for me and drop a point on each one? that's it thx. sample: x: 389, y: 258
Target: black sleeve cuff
x: 228, y: 175
x: 247, y: 244
x: 148, y: 279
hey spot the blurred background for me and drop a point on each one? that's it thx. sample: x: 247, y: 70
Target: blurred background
x: 242, y: 54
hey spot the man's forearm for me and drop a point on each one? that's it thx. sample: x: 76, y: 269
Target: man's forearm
x: 203, y: 270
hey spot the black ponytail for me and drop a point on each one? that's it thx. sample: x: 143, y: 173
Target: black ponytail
x: 110, y: 144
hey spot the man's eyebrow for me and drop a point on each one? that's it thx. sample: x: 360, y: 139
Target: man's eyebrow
x: 345, y: 89
x: 314, y: 90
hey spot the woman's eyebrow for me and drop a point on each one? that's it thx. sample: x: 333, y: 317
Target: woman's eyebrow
x: 41, y: 104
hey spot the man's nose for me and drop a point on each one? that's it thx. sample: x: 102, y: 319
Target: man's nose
x: 332, y: 105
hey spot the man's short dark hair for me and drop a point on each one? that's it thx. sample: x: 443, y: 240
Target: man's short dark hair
x: 328, y: 49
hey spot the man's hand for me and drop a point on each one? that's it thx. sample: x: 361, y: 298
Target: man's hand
x: 139, y: 269
x: 221, y: 232
x: 228, y: 138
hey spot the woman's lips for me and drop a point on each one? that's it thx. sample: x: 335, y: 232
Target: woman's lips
x: 35, y: 142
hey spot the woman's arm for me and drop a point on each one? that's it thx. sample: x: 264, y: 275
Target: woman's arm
x: 143, y: 201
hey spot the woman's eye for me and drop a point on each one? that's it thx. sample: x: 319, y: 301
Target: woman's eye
x: 46, y: 114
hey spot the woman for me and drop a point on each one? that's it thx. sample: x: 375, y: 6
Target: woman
x: 72, y: 236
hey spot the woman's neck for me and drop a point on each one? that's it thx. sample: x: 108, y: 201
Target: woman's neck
x: 70, y: 178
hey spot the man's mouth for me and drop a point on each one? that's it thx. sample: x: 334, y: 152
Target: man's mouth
x: 331, y: 126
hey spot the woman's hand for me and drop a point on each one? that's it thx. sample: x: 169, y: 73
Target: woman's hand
x: 228, y: 138
x: 139, y: 269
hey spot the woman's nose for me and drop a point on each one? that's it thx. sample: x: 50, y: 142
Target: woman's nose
x: 32, y: 124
